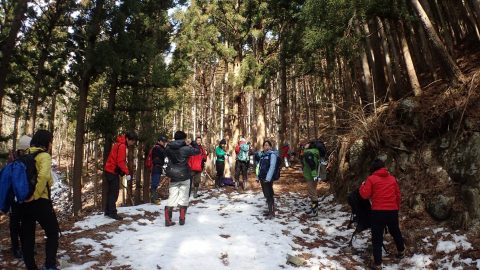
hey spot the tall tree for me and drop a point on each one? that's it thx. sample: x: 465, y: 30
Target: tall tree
x: 447, y: 63
x: 86, y: 72
x: 7, y: 47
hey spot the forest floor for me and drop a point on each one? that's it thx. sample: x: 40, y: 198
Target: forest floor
x: 226, y: 229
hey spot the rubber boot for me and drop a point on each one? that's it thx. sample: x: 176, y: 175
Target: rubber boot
x: 168, y: 216
x: 313, y: 211
x: 183, y: 213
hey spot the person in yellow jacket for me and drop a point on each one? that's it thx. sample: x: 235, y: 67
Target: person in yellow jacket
x: 39, y: 208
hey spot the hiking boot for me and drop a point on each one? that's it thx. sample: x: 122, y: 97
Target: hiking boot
x: 115, y: 216
x: 17, y: 253
x: 154, y: 196
x: 375, y: 266
x: 183, y: 213
x: 271, y: 211
x: 313, y: 211
x: 168, y: 216
x: 400, y: 254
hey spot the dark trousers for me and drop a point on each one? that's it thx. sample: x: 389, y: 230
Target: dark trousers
x: 14, y: 226
x: 40, y: 210
x: 267, y: 188
x: 113, y: 181
x: 380, y: 220
x: 220, y: 167
x: 241, y: 167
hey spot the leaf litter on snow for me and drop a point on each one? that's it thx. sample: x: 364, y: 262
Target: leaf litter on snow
x: 229, y: 231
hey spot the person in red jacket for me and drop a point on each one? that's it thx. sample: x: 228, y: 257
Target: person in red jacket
x: 115, y: 167
x: 197, y: 164
x: 384, y: 193
x: 285, y: 154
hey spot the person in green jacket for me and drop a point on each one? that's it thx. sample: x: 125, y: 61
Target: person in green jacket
x: 311, y: 158
x: 220, y: 162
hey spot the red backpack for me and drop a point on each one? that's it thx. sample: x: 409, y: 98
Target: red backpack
x: 149, y: 160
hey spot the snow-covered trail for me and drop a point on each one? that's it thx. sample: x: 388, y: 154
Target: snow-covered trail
x: 229, y: 231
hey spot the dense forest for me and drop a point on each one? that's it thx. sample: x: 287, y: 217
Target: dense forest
x: 283, y: 70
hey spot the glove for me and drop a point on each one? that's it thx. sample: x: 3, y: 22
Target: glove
x: 128, y: 177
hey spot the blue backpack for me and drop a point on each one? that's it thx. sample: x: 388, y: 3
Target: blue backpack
x: 18, y: 180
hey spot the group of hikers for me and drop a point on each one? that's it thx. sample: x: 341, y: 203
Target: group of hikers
x: 183, y: 162
x: 186, y: 163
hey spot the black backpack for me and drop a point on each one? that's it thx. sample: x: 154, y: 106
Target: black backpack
x: 321, y: 148
x: 361, y: 211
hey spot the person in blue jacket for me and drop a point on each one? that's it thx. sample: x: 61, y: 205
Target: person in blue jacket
x: 266, y: 170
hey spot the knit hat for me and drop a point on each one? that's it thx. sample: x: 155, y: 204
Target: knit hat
x: 223, y: 141
x: 242, y: 140
x: 23, y: 142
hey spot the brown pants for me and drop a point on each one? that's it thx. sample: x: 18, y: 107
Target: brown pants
x: 312, y: 190
x: 196, y: 179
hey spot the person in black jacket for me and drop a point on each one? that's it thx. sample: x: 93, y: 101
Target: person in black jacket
x: 158, y: 160
x: 180, y: 173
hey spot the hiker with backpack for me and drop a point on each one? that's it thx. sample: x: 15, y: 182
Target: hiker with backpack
x: 384, y: 193
x: 268, y: 172
x: 14, y: 215
x: 115, y: 167
x: 241, y: 164
x: 311, y: 159
x: 220, y: 162
x: 197, y: 165
x: 39, y: 207
x: 178, y: 153
x: 155, y: 162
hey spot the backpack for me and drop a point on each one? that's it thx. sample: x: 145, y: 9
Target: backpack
x: 149, y: 160
x: 361, y: 210
x: 264, y: 166
x: 18, y: 180
x: 321, y: 148
x: 243, y: 152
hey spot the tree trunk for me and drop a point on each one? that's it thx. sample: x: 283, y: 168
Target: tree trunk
x: 261, y: 127
x: 283, y: 94
x: 82, y: 106
x: 378, y: 59
x: 475, y: 22
x: 397, y: 60
x: 15, y: 123
x: 51, y: 119
x: 7, y: 49
x: 446, y: 61
x: 412, y: 74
